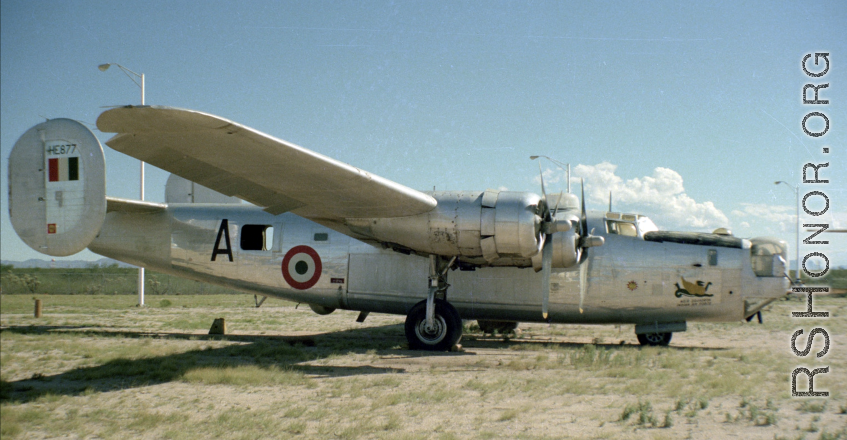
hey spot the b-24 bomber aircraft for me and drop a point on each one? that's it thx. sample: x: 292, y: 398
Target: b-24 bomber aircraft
x: 325, y: 233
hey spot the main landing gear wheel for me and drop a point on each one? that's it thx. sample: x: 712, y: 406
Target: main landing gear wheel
x: 445, y: 332
x: 654, y: 339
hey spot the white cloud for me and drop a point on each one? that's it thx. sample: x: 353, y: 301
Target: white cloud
x: 782, y: 216
x: 661, y: 196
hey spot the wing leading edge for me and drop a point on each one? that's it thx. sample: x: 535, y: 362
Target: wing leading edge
x: 238, y: 161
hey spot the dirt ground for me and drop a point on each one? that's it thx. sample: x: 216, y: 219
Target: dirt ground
x: 102, y: 368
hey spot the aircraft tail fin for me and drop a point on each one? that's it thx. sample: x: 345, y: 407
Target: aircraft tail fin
x: 57, y: 187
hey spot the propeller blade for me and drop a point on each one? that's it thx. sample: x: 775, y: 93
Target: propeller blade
x: 556, y: 206
x: 541, y: 175
x: 583, y: 221
x: 583, y: 283
x: 546, y: 267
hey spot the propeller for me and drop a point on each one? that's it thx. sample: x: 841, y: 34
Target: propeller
x: 585, y: 241
x: 549, y: 225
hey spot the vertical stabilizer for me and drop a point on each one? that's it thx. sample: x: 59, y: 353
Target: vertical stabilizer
x: 57, y: 187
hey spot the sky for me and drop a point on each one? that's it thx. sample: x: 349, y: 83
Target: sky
x: 687, y: 113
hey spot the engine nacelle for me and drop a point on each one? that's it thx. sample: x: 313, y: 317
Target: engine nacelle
x: 566, y: 250
x: 566, y: 244
x: 490, y: 224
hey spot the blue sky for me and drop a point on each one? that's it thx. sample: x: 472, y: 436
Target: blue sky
x: 687, y: 112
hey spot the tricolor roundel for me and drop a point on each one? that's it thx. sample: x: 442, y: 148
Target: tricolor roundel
x: 301, y: 267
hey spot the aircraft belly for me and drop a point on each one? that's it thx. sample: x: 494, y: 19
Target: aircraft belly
x: 633, y: 281
x: 387, y: 282
x: 496, y: 293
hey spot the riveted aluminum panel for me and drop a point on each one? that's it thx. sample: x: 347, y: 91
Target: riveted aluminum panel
x: 516, y: 225
x: 486, y: 222
x: 489, y: 198
x: 489, y: 249
x: 468, y: 209
x: 386, y: 282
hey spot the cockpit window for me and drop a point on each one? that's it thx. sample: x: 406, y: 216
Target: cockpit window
x: 621, y: 228
x: 768, y: 257
x: 629, y: 225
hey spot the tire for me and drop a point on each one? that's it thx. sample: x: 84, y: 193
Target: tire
x: 448, y: 327
x: 502, y: 327
x: 654, y: 339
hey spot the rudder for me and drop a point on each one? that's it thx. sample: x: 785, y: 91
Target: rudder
x: 57, y: 187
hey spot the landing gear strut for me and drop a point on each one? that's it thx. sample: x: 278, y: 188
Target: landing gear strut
x: 434, y: 324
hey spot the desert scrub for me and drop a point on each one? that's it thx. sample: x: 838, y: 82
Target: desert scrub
x: 812, y: 406
x: 644, y: 411
x: 246, y: 375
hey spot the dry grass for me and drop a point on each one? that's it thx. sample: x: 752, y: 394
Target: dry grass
x: 101, y: 367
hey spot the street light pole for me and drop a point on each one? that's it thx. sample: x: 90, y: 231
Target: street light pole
x: 127, y: 72
x: 797, y: 223
x: 564, y: 166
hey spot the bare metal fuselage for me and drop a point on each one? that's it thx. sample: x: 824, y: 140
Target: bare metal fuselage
x: 629, y: 280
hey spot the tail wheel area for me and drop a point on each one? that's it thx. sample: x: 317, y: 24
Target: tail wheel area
x: 654, y: 339
x: 445, y: 332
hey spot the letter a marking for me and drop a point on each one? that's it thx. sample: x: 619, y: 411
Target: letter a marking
x: 223, y: 231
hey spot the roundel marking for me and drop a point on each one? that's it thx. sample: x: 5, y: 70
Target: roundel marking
x: 301, y: 267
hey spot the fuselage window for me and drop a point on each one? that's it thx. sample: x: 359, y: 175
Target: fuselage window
x: 321, y: 236
x: 257, y: 237
x: 713, y: 257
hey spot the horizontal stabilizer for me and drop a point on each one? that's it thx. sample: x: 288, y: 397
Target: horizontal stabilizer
x: 114, y: 204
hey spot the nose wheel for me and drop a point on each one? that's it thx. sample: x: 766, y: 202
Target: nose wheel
x: 444, y: 332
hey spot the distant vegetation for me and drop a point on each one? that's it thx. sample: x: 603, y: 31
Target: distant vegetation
x: 106, y: 280
x: 834, y: 278
x: 115, y: 280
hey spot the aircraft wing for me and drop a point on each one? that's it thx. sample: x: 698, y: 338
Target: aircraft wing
x: 238, y: 161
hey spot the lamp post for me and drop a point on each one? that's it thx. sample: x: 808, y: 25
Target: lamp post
x: 127, y: 72
x: 797, y: 210
x: 565, y: 167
